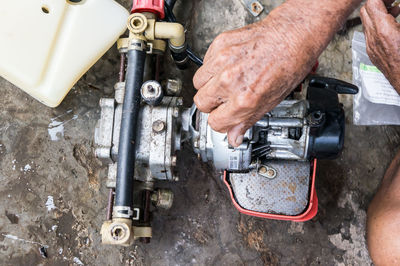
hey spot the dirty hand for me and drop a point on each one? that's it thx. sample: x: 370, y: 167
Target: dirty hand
x: 382, y: 34
x: 247, y: 72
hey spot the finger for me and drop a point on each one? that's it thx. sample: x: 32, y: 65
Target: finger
x: 210, y: 97
x: 236, y: 134
x: 366, y: 20
x: 375, y: 9
x: 202, y: 76
x: 222, y: 119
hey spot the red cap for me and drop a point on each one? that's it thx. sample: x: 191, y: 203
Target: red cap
x: 153, y: 6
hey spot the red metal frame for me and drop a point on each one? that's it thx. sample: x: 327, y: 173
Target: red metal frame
x: 308, y: 214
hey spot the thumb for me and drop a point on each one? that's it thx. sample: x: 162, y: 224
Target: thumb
x: 236, y: 134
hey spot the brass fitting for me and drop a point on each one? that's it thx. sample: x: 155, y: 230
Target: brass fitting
x: 174, y: 32
x: 117, y: 232
x: 147, y: 29
x: 137, y: 23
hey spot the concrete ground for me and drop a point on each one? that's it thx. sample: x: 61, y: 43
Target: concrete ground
x: 53, y: 190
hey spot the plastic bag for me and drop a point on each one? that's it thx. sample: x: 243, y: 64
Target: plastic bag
x: 377, y: 103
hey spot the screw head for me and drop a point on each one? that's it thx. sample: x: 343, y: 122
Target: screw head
x: 158, y: 126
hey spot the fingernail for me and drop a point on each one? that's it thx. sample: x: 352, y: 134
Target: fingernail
x: 239, y: 140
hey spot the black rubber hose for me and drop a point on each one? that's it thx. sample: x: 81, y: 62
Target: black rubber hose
x: 170, y: 3
x: 170, y: 17
x: 127, y: 139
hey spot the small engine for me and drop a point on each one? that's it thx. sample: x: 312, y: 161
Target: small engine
x: 271, y: 174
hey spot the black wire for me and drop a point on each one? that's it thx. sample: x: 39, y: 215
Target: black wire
x: 170, y: 17
x: 192, y: 56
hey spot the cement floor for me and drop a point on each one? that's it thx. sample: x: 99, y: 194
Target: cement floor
x: 53, y: 191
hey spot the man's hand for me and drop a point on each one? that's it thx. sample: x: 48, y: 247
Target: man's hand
x: 382, y: 34
x: 248, y: 71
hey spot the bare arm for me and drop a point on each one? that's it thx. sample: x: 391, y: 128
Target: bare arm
x: 248, y: 71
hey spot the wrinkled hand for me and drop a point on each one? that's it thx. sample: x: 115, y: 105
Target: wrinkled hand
x: 247, y: 72
x: 382, y: 34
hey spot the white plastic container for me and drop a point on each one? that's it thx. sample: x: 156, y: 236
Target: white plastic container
x: 47, y: 45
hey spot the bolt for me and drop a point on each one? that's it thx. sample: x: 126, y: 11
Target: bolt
x: 267, y: 172
x: 270, y: 173
x: 158, y: 126
x: 173, y: 160
x: 176, y: 112
x: 262, y: 170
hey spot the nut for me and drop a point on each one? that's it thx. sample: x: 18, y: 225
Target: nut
x: 174, y: 87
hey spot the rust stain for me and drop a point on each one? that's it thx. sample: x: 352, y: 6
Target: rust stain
x: 292, y: 187
x: 292, y: 198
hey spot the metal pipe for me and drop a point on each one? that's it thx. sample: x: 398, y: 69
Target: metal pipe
x: 280, y: 122
x: 127, y: 141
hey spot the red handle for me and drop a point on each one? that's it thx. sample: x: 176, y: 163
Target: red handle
x: 153, y: 6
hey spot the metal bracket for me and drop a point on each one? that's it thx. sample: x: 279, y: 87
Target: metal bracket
x: 253, y: 6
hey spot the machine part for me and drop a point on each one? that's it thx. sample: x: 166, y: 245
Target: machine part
x: 152, y: 92
x: 170, y: 17
x: 137, y: 23
x: 104, y: 129
x: 295, y: 130
x: 158, y: 126
x: 163, y: 198
x: 286, y: 194
x: 174, y: 32
x: 267, y: 171
x: 117, y: 232
x: 128, y: 129
x: 153, y: 6
x: 173, y: 87
x: 157, y: 142
x: 309, y: 212
x: 253, y: 6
